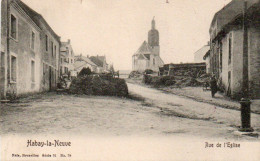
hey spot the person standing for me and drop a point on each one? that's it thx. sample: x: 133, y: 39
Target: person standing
x: 213, y: 86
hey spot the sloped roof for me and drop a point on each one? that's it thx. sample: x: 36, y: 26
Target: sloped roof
x: 79, y: 64
x: 206, y: 55
x: 96, y: 60
x: 36, y: 17
x: 144, y: 48
x: 204, y: 49
x: 229, y: 13
x: 64, y: 46
x: 198, y: 55
x: 84, y: 60
x: 141, y: 56
x: 147, y: 56
x: 30, y: 12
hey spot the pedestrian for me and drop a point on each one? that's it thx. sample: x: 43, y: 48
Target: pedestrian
x: 213, y: 86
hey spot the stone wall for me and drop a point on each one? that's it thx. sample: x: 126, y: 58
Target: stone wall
x: 254, y: 61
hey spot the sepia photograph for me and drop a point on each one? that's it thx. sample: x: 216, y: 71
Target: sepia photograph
x: 132, y: 80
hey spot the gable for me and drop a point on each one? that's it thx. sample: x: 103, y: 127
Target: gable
x: 144, y: 48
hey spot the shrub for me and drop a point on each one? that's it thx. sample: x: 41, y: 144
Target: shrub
x: 84, y: 71
x: 148, y: 71
x: 170, y: 82
x: 96, y: 85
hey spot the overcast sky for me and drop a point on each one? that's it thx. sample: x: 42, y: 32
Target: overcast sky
x: 117, y: 28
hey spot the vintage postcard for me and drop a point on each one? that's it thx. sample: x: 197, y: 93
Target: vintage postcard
x: 130, y: 80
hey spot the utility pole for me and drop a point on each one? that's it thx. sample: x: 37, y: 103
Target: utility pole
x: 245, y: 101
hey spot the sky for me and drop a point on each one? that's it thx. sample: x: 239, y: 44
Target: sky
x: 117, y: 28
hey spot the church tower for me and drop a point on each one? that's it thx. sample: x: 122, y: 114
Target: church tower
x: 153, y: 38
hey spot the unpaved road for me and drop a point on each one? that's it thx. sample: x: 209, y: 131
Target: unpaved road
x: 210, y: 120
x: 159, y: 115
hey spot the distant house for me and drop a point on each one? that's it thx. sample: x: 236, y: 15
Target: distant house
x: 100, y: 61
x: 226, y: 47
x: 84, y: 62
x: 198, y: 55
x: 148, y: 54
x: 29, y: 51
x: 206, y: 58
x: 66, y: 58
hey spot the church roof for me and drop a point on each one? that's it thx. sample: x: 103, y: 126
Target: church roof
x: 144, y: 48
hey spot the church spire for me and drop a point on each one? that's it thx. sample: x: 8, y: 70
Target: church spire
x: 153, y: 24
x: 153, y: 35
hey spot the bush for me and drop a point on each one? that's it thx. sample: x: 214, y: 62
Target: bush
x: 147, y: 79
x: 156, y: 81
x: 84, y: 71
x: 170, y: 82
x: 96, y: 85
x: 148, y: 71
x: 135, y: 74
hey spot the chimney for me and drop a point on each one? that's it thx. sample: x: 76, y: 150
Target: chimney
x: 69, y: 41
x: 87, y: 56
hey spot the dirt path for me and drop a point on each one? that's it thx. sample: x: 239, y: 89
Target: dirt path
x: 159, y: 115
x: 187, y: 108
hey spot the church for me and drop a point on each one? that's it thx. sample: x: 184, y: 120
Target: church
x: 148, y: 54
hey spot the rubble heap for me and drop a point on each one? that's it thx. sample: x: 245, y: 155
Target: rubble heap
x: 180, y: 78
x: 135, y: 74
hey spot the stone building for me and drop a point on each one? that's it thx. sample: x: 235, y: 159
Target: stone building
x: 29, y: 51
x: 66, y: 58
x: 148, y: 55
x: 226, y: 47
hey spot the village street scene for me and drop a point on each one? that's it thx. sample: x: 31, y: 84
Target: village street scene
x: 58, y: 81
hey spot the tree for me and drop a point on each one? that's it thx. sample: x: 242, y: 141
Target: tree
x: 84, y: 71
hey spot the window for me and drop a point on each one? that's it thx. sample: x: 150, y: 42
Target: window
x: 13, y: 68
x: 229, y: 48
x: 32, y: 71
x: 46, y: 42
x: 32, y: 40
x: 2, y: 60
x: 220, y: 55
x: 66, y: 70
x: 229, y: 84
x: 13, y: 27
x: 153, y: 61
x: 52, y: 53
x: 61, y: 60
x: 2, y: 65
x: 55, y: 51
x: 71, y: 61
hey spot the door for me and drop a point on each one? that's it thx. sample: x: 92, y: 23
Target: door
x: 2, y: 73
x: 50, y: 78
x: 229, y: 84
